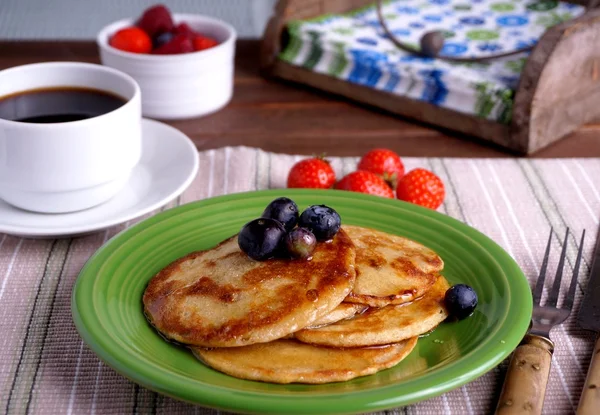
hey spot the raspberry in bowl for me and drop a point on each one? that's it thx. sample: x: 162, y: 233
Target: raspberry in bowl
x: 183, y: 63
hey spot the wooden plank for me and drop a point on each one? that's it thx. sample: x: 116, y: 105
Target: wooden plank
x: 336, y: 140
x: 291, y: 119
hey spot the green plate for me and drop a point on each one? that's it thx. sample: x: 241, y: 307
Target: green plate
x: 107, y: 307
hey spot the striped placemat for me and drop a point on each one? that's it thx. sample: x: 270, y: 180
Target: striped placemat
x: 45, y: 368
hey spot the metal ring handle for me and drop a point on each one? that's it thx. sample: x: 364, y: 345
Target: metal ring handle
x: 432, y: 42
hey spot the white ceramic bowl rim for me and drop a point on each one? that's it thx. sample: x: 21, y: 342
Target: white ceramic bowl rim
x: 80, y: 65
x: 106, y: 31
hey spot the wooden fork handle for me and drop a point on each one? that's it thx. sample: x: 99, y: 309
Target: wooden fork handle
x: 589, y: 403
x: 527, y: 376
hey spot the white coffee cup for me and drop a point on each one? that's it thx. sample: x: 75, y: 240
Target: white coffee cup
x: 69, y: 166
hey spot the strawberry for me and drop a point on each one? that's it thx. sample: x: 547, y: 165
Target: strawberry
x: 131, y: 39
x: 383, y: 162
x: 421, y: 187
x: 156, y: 20
x: 179, y: 44
x: 365, y: 182
x: 313, y: 173
x: 184, y: 28
x: 204, y: 42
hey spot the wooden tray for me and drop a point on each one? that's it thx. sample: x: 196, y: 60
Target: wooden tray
x: 558, y: 91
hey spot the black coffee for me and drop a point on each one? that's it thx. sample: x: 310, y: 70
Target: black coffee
x: 60, y: 104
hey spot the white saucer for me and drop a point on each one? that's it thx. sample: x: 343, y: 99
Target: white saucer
x: 168, y: 165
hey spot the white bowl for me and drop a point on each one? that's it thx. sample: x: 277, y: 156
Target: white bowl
x: 178, y: 86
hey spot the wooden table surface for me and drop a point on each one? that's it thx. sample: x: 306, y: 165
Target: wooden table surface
x: 283, y: 117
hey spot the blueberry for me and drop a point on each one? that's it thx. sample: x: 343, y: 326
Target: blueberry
x: 162, y: 39
x: 322, y: 220
x: 300, y: 243
x: 261, y: 238
x: 284, y: 210
x: 460, y: 300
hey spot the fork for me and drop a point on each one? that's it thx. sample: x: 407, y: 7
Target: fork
x: 527, y: 376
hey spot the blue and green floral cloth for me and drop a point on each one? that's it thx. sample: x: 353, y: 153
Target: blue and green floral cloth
x: 354, y: 47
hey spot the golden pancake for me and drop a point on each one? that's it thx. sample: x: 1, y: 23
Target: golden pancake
x: 341, y: 312
x: 389, y: 324
x: 289, y: 361
x: 390, y: 269
x: 222, y: 298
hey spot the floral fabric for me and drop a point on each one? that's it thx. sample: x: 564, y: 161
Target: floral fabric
x: 354, y: 47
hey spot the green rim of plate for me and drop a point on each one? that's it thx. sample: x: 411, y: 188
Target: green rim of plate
x: 107, y: 308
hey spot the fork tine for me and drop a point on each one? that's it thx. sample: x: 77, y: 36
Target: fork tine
x: 568, y: 304
x: 539, y: 286
x: 553, y: 296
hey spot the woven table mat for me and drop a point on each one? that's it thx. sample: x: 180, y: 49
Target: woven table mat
x: 45, y: 368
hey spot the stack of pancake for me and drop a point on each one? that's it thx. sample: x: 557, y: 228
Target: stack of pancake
x: 357, y: 307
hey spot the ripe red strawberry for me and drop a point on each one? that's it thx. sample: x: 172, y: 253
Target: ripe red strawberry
x: 179, y: 44
x: 204, y: 42
x: 365, y: 182
x: 131, y: 39
x: 313, y: 173
x: 421, y: 187
x: 156, y: 20
x: 383, y: 162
